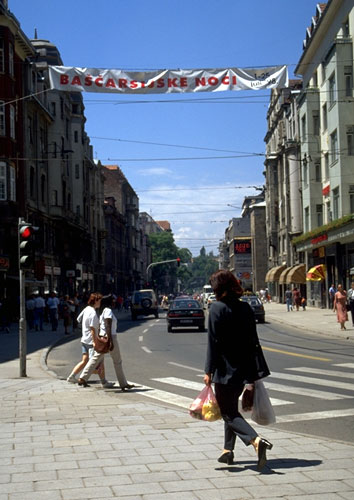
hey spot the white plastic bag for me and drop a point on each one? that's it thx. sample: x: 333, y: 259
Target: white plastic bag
x: 262, y: 412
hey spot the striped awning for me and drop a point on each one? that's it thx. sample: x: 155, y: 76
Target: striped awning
x: 316, y: 273
x: 297, y: 274
x: 274, y: 273
x: 283, y: 275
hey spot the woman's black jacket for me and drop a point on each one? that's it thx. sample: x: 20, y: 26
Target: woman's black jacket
x: 234, y: 354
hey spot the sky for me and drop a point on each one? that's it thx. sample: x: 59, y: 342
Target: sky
x: 171, y: 147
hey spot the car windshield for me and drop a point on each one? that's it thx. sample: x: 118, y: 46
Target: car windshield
x: 185, y: 304
x: 253, y: 301
x: 142, y: 295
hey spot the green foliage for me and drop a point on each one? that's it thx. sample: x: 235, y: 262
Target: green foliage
x: 323, y: 229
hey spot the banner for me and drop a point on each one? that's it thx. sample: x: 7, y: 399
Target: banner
x: 166, y: 81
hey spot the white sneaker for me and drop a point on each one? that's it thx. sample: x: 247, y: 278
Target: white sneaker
x: 72, y: 379
x: 108, y: 385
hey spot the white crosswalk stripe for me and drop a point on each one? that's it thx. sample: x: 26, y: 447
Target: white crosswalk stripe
x: 168, y: 396
x: 196, y: 386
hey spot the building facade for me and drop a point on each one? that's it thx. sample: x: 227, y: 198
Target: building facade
x: 326, y: 116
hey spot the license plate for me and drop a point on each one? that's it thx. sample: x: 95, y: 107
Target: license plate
x: 189, y: 321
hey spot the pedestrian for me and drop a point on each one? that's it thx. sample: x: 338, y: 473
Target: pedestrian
x: 331, y: 292
x: 53, y: 304
x: 89, y: 321
x: 296, y: 298
x: 107, y: 326
x: 289, y: 300
x: 39, y: 312
x: 74, y: 309
x: 30, y: 305
x: 340, y: 305
x: 234, y: 358
x: 351, y: 301
x: 65, y: 310
x: 303, y: 303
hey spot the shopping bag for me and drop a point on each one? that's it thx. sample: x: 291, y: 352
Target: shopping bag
x: 205, y: 406
x: 262, y: 412
x: 247, y: 398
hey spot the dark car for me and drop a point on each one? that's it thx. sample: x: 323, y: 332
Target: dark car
x: 185, y: 312
x: 256, y: 305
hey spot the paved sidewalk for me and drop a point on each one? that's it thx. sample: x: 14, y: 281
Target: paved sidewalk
x: 60, y: 441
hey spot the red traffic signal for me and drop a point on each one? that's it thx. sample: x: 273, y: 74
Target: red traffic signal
x: 26, y: 232
x: 178, y: 260
x: 26, y: 244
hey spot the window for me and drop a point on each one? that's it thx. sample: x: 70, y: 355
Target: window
x: 303, y: 128
x: 326, y: 163
x: 55, y: 197
x: 30, y: 129
x: 323, y: 72
x: 43, y: 188
x: 319, y: 215
x: 346, y: 31
x: 31, y: 186
x: 316, y: 123
x: 61, y: 107
x: 318, y: 176
x: 324, y: 117
x: 332, y: 89
x: 12, y: 122
x: 307, y: 219
x: 12, y: 184
x: 315, y: 80
x: 305, y: 174
x: 350, y: 140
x: 329, y: 213
x: 335, y: 193
x: 2, y: 56
x: 11, y: 59
x: 77, y: 171
x: 67, y: 128
x: 3, y: 190
x: 334, y: 147
x: 75, y: 109
x: 76, y: 136
x: 351, y: 198
x: 2, y: 118
x: 78, y: 210
x: 348, y: 79
x: 53, y: 108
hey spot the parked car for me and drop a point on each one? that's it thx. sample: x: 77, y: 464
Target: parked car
x: 185, y: 312
x: 211, y: 299
x: 144, y: 302
x: 256, y: 305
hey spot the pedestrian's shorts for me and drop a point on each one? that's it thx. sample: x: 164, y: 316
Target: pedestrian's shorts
x: 85, y: 348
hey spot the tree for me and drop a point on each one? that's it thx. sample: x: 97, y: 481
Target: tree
x: 164, y: 276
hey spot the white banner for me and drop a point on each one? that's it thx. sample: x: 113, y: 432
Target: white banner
x: 166, y: 81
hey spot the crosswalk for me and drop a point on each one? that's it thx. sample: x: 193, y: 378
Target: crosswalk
x: 306, y: 382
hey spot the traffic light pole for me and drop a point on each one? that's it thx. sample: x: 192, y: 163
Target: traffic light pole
x: 22, y: 321
x: 156, y: 264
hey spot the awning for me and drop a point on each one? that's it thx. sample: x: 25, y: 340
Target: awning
x: 283, y: 275
x: 296, y: 274
x: 274, y: 273
x: 316, y: 273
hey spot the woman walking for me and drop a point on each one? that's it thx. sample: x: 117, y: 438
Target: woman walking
x: 90, y: 324
x: 340, y: 305
x: 107, y: 327
x: 234, y: 358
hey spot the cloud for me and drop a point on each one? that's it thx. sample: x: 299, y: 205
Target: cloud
x: 156, y: 171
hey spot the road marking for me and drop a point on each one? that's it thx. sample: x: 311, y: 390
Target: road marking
x: 141, y: 338
x: 288, y: 353
x: 316, y: 415
x: 146, y: 349
x: 318, y: 371
x: 185, y: 366
x: 329, y: 396
x: 315, y: 381
x: 146, y: 330
x: 345, y: 365
x: 164, y: 396
x: 197, y: 386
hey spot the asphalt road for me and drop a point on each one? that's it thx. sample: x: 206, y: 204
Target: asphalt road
x: 311, y: 386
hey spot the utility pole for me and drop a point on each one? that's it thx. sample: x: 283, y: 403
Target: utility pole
x: 178, y: 262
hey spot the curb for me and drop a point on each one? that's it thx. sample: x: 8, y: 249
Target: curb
x: 45, y: 353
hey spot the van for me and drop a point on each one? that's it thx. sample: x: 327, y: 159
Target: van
x: 144, y: 302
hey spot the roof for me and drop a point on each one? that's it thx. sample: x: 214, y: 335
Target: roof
x: 166, y: 226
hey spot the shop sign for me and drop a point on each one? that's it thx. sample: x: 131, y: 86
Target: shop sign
x: 325, y: 190
x: 323, y: 237
x: 242, y: 246
x: 48, y: 270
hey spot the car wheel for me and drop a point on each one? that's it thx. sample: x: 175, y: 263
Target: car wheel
x: 134, y: 317
x: 261, y: 320
x: 169, y: 329
x: 156, y: 315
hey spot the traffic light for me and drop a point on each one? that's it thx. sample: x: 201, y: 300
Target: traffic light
x: 178, y: 261
x: 26, y: 244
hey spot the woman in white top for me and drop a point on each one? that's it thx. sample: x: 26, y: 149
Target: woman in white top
x: 107, y: 326
x: 90, y: 323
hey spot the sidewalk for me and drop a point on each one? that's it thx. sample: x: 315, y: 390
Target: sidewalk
x: 314, y: 320
x: 60, y: 441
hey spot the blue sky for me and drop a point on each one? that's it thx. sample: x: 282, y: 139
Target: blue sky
x: 160, y: 132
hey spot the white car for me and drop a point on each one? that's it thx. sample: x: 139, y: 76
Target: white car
x: 211, y: 299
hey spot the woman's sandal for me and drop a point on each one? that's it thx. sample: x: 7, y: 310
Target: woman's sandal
x: 82, y: 382
x: 127, y: 387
